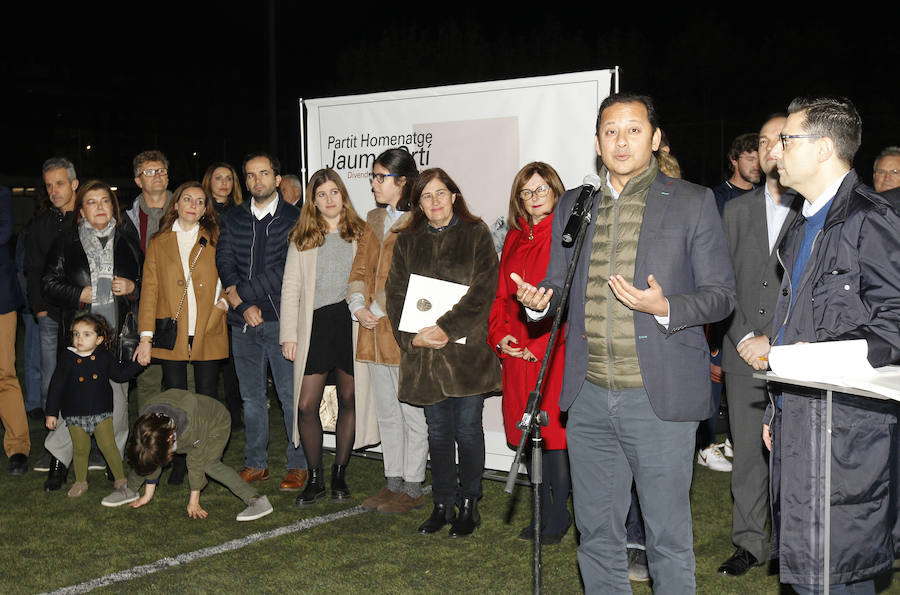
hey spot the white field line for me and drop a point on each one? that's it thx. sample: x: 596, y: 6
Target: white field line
x: 235, y: 544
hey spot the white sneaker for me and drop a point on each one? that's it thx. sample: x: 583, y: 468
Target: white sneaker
x: 728, y: 449
x: 713, y: 458
x: 259, y: 507
x: 121, y: 495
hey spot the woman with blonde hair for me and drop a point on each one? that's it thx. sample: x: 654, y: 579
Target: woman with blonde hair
x: 316, y: 328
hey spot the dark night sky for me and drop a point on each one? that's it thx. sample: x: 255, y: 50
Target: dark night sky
x: 195, y: 77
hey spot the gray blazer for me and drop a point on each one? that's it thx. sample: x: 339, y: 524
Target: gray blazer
x: 757, y: 272
x: 683, y: 246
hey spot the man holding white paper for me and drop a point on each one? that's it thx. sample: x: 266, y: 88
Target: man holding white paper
x: 842, y: 281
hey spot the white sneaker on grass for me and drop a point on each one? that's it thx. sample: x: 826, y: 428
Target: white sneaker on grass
x: 259, y: 507
x: 120, y: 496
x: 713, y: 458
x: 728, y: 449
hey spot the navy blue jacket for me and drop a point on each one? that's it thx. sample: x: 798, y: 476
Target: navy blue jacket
x: 257, y: 285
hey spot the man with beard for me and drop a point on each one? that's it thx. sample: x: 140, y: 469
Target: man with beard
x: 743, y: 160
x: 250, y: 257
x: 754, y: 224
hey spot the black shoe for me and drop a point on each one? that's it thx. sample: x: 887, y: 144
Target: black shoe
x: 96, y: 461
x: 314, y: 490
x: 441, y: 515
x: 637, y: 565
x: 739, y: 563
x: 339, y: 488
x: 18, y: 464
x: 527, y: 533
x: 36, y: 414
x: 179, y: 470
x: 467, y: 519
x: 56, y: 476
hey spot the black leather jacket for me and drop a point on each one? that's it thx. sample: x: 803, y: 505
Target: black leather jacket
x: 68, y: 272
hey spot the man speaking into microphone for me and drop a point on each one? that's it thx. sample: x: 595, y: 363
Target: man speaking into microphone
x: 653, y: 270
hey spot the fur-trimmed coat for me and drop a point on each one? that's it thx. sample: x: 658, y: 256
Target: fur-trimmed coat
x: 462, y: 253
x: 368, y: 277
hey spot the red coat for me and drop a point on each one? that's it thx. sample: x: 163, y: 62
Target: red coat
x: 527, y: 257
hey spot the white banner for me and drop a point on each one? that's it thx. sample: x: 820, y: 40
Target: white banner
x: 480, y: 133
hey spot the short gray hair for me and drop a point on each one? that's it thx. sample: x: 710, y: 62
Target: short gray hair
x: 59, y: 163
x: 892, y: 151
x: 294, y: 180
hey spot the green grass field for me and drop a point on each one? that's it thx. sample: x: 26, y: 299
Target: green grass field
x: 50, y: 542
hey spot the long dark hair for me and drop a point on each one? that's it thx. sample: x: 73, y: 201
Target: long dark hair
x: 401, y: 163
x: 236, y: 197
x: 209, y: 222
x: 150, y: 445
x: 460, y: 209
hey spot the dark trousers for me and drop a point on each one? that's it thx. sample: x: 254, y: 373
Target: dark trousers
x: 206, y: 376
x: 456, y: 421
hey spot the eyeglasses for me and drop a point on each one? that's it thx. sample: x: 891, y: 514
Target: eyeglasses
x: 439, y: 196
x: 887, y: 172
x: 160, y: 171
x: 541, y: 191
x: 380, y: 177
x: 787, y: 139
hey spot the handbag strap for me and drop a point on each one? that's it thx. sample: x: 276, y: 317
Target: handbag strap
x: 190, y: 276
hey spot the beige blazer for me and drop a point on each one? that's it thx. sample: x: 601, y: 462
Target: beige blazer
x: 298, y: 290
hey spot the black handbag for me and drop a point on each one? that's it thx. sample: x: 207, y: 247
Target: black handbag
x: 128, y: 338
x: 166, y: 332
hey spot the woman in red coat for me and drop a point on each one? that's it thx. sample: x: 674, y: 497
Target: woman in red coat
x: 521, y: 345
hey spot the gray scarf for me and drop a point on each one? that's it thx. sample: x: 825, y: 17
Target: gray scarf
x: 153, y: 215
x: 98, y: 247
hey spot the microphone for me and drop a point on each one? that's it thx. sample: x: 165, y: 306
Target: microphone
x: 581, y: 209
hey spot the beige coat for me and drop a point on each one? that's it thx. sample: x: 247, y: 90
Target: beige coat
x: 162, y: 288
x: 298, y: 290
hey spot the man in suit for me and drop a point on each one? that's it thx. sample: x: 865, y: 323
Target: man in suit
x: 754, y: 225
x: 653, y: 271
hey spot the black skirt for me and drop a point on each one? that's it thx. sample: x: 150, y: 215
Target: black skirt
x: 331, y: 340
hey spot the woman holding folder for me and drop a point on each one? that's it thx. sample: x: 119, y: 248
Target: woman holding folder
x: 447, y: 367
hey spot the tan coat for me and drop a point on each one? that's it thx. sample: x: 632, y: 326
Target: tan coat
x: 298, y: 290
x: 368, y: 276
x: 163, y: 285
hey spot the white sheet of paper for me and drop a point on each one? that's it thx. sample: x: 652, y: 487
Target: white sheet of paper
x: 436, y: 295
x: 844, y: 363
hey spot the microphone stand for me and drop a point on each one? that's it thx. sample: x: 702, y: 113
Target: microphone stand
x: 533, y: 417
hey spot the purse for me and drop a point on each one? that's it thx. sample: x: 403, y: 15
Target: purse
x: 128, y: 338
x: 166, y: 332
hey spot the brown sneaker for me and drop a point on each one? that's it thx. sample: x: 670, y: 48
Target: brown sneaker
x: 294, y: 480
x: 251, y: 474
x: 373, y: 502
x: 78, y: 489
x: 401, y: 503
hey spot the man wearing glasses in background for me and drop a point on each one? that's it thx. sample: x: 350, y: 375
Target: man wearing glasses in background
x: 841, y: 281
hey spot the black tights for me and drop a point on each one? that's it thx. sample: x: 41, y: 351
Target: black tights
x: 311, y: 391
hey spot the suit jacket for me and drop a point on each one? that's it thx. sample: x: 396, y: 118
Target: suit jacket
x: 682, y: 244
x: 756, y: 270
x: 161, y: 292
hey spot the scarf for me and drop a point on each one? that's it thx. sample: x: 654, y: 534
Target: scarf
x: 153, y: 215
x: 98, y: 247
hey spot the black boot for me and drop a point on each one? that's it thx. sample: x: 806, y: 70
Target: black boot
x: 339, y: 488
x: 467, y: 519
x: 314, y: 491
x: 57, y: 475
x: 441, y: 515
x: 179, y: 470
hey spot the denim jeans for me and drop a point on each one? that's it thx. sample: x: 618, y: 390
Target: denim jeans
x: 33, y: 394
x: 254, y: 348
x: 614, y: 436
x: 48, y: 330
x: 456, y: 421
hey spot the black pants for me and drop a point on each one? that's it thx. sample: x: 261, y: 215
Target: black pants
x: 206, y: 376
